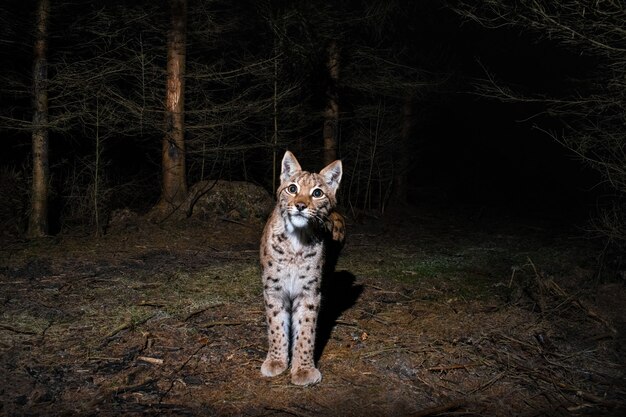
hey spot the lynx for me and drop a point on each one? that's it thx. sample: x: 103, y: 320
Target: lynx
x: 292, y: 261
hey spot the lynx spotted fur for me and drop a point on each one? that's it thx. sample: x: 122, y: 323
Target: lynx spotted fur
x: 292, y: 262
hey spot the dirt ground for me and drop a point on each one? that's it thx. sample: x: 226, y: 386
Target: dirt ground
x: 428, y: 313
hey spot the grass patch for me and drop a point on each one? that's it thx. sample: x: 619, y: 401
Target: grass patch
x: 467, y: 272
x: 23, y: 323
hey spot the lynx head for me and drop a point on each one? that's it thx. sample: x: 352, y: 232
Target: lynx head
x: 306, y: 198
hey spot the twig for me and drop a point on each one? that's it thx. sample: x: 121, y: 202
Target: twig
x: 375, y: 287
x: 580, y: 393
x: 513, y: 270
x: 366, y: 355
x: 223, y: 323
x: 549, y: 284
x: 541, y: 288
x: 106, y: 394
x: 201, y: 310
x: 180, y: 368
x: 126, y: 325
x: 345, y: 323
x: 488, y: 383
x: 153, y: 361
x: 452, y: 367
x: 148, y: 385
x: 577, y: 302
x: 196, y: 197
x: 373, y: 316
x: 226, y: 219
x: 453, y: 405
x: 538, y: 375
x: 121, y: 327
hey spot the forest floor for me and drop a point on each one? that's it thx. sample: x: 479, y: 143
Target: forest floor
x: 428, y: 313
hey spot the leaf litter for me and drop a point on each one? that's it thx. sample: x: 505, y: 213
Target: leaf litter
x: 419, y: 319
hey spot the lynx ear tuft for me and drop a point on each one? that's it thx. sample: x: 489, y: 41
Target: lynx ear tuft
x: 290, y: 167
x: 332, y: 174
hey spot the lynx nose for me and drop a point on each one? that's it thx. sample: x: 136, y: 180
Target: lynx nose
x: 300, y: 206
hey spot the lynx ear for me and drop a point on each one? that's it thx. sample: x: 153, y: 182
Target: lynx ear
x: 290, y: 167
x: 332, y: 174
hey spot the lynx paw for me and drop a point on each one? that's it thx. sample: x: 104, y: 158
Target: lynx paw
x: 306, y: 376
x: 273, y: 367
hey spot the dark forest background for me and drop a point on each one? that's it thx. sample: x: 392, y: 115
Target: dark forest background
x: 514, y: 109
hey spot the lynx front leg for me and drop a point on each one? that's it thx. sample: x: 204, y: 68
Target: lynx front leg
x: 305, y: 310
x: 278, y: 335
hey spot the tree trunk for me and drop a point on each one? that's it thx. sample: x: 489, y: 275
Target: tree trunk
x: 174, y: 187
x: 38, y: 220
x: 331, y: 114
x: 403, y: 155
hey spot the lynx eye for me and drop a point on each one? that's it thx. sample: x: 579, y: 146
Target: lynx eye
x: 317, y: 193
x: 292, y: 189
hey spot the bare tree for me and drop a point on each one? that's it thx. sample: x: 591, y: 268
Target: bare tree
x: 174, y: 185
x: 38, y: 220
x: 331, y: 114
x: 250, y: 83
x: 593, y: 110
x: 252, y: 102
x: 403, y: 156
x: 105, y: 88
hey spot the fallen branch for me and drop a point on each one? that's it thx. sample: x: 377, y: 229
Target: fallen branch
x: 577, y: 302
x: 587, y: 396
x: 106, y: 394
x: 173, y: 378
x: 453, y: 405
x: 549, y: 285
